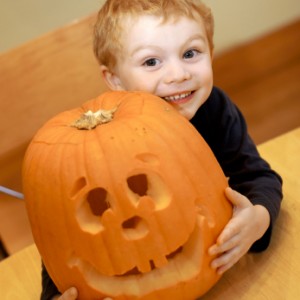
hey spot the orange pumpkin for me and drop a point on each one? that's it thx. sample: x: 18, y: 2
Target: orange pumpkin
x: 129, y: 208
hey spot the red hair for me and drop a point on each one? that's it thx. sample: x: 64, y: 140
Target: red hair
x: 111, y: 17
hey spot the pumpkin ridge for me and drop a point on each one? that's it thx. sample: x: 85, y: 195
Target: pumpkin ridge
x: 171, y: 127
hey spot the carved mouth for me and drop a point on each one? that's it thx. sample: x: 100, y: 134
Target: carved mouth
x: 135, y: 270
x: 183, y: 264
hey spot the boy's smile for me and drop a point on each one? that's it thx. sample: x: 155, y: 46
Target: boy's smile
x: 169, y: 59
x: 179, y: 98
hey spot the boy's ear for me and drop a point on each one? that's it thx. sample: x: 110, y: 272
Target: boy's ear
x: 111, y: 79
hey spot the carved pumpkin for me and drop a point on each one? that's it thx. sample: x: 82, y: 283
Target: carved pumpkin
x: 129, y: 208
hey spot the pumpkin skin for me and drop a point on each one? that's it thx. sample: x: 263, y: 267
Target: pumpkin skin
x: 127, y: 209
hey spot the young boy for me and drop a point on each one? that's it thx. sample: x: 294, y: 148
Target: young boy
x: 165, y: 47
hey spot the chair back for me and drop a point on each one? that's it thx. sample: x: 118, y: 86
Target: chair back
x: 56, y: 72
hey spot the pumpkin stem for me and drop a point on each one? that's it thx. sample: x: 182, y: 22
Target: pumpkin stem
x: 91, y: 120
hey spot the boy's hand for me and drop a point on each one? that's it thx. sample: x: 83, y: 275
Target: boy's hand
x: 71, y: 294
x: 248, y: 223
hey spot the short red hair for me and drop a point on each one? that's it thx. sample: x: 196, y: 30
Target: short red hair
x: 110, y: 22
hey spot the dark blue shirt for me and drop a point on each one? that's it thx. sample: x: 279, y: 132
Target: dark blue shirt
x: 223, y: 127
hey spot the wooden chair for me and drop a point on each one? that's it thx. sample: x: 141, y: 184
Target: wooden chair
x: 53, y: 73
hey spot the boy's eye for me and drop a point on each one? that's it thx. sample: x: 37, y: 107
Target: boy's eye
x: 190, y: 54
x: 151, y: 62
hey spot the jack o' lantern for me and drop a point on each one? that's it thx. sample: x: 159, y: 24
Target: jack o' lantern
x: 128, y: 208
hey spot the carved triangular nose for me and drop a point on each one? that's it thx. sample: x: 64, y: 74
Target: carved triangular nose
x: 135, y: 228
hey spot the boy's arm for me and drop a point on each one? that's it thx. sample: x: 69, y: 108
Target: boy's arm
x: 49, y: 290
x: 223, y: 127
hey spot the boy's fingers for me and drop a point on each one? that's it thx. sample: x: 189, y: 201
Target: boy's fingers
x: 236, y: 198
x: 226, y: 261
x: 70, y: 294
x: 226, y: 240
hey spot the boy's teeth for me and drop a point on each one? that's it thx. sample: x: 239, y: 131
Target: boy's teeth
x: 177, y: 97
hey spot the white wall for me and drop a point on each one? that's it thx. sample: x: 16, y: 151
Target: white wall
x: 22, y: 20
x: 237, y: 21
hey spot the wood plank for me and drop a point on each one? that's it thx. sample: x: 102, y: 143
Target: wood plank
x: 20, y: 275
x: 262, y: 78
x: 272, y: 105
x: 55, y: 72
x: 248, y: 63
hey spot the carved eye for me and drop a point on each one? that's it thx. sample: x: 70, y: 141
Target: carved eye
x: 148, y: 184
x: 138, y: 184
x: 97, y: 200
x: 91, y: 205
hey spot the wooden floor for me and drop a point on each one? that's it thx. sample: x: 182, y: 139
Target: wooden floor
x: 263, y: 79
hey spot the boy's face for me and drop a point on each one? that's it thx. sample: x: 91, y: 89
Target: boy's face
x: 171, y: 60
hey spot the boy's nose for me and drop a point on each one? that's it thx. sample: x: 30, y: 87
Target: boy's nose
x: 176, y: 73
